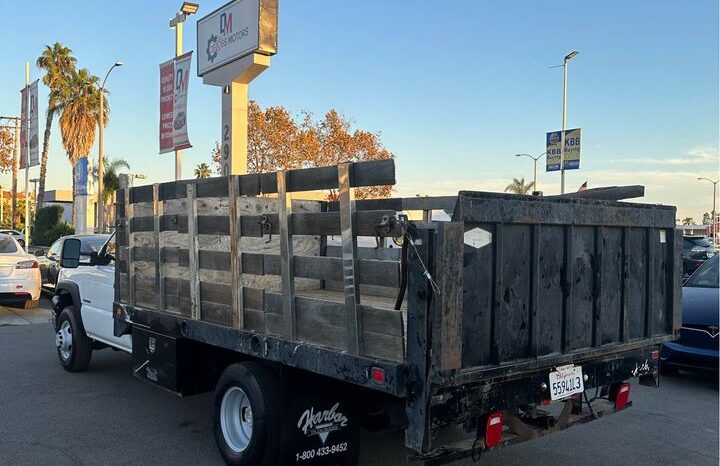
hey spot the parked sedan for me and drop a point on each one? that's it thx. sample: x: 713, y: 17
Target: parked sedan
x: 19, y: 237
x: 696, y: 250
x: 698, y: 346
x: 50, y: 261
x: 19, y: 274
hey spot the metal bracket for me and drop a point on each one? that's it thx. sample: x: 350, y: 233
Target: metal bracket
x: 265, y: 226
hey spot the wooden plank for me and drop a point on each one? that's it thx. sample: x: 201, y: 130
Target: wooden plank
x: 625, y: 323
x: 383, y: 254
x: 446, y: 203
x: 195, y: 310
x: 651, y: 236
x: 448, y: 306
x: 598, y: 304
x: 534, y: 289
x: 479, y: 207
x: 130, y: 253
x: 372, y: 272
x: 235, y: 255
x: 351, y: 285
x: 568, y: 277
x: 316, y: 223
x: 607, y: 193
x: 159, y: 279
x: 287, y: 259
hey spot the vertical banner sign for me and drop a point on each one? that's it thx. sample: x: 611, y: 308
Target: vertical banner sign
x: 174, y: 81
x: 182, y: 80
x: 22, y: 163
x: 571, y: 154
x: 80, y: 173
x: 167, y: 87
x: 34, y: 146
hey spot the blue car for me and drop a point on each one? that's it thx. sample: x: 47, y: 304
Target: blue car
x: 697, y: 347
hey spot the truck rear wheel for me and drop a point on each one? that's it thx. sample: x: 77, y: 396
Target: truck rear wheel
x: 247, y: 420
x: 74, y: 348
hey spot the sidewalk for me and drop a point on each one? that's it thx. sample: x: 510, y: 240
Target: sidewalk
x: 15, y: 316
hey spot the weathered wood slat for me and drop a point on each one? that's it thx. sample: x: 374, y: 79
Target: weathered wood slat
x: 192, y: 253
x: 448, y: 306
x: 382, y: 254
x: 446, y: 203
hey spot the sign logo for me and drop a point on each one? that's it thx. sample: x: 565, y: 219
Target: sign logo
x: 321, y: 423
x: 226, y: 23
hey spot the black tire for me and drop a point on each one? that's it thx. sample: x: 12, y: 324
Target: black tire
x: 261, y: 386
x: 80, y: 349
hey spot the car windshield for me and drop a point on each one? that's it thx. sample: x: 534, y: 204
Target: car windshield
x: 706, y: 276
x: 90, y: 244
x: 7, y: 245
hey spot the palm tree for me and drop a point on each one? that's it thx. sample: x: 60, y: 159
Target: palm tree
x: 688, y: 221
x: 203, y: 171
x: 111, y: 180
x: 57, y: 61
x: 80, y: 117
x: 519, y: 186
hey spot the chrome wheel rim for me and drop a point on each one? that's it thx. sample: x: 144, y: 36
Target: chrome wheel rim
x: 236, y: 419
x: 63, y: 340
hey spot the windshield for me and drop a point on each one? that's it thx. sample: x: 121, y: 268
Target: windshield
x: 706, y: 276
x: 89, y: 244
x: 7, y: 245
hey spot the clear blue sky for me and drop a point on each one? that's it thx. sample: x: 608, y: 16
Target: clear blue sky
x: 456, y: 88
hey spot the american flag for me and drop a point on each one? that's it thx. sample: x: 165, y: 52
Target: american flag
x: 582, y: 187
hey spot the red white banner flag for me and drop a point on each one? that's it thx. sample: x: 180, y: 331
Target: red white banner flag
x: 174, y: 81
x: 31, y: 124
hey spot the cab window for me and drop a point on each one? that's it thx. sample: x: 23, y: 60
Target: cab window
x: 55, y: 248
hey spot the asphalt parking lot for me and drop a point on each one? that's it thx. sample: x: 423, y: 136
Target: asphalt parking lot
x: 107, y: 417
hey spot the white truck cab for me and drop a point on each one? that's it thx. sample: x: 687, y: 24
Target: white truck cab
x: 83, y: 306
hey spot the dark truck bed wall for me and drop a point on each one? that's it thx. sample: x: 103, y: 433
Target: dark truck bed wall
x: 557, y: 276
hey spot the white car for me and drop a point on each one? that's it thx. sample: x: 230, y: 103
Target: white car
x: 19, y: 237
x: 19, y: 273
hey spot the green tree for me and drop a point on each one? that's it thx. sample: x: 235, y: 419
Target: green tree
x: 80, y: 117
x: 688, y: 221
x: 203, y: 171
x: 58, y: 62
x: 518, y: 186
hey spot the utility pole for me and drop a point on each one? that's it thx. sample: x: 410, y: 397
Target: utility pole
x: 535, y: 161
x: 100, y: 215
x: 176, y: 23
x: 567, y: 58
x: 27, y: 156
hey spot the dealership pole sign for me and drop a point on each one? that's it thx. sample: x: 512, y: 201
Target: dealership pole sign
x: 174, y: 81
x: 235, y: 30
x: 571, y: 154
x: 29, y: 128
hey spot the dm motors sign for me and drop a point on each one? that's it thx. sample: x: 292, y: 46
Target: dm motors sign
x: 571, y: 154
x: 235, y: 30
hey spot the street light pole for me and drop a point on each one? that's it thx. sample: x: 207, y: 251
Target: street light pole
x: 714, y: 213
x: 176, y: 23
x: 567, y: 58
x: 100, y: 216
x: 535, y: 160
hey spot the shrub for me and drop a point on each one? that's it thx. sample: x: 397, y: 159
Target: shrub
x: 48, y: 227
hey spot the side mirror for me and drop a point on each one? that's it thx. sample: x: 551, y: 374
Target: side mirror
x: 94, y: 258
x: 70, y: 257
x: 40, y: 253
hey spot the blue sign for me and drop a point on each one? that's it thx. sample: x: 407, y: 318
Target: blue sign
x: 81, y: 176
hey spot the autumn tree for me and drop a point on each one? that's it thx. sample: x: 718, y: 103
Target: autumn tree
x: 7, y: 146
x: 278, y: 141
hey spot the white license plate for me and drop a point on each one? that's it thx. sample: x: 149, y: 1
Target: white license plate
x: 566, y: 381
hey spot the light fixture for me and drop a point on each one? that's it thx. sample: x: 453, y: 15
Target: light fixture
x: 571, y: 54
x: 189, y: 8
x: 119, y: 63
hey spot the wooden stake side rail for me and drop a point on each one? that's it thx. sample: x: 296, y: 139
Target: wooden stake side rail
x: 211, y: 250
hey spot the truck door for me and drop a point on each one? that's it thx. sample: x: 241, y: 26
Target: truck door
x: 97, y: 292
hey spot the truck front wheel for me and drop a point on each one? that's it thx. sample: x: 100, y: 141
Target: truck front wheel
x: 74, y: 348
x: 247, y: 415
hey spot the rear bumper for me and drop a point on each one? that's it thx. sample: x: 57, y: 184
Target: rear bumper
x: 689, y: 357
x: 20, y: 287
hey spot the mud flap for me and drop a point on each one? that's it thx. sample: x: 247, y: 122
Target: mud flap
x: 321, y: 422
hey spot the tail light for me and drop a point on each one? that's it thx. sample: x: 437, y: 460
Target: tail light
x: 493, y: 430
x: 622, y: 396
x: 29, y: 264
x: 377, y: 375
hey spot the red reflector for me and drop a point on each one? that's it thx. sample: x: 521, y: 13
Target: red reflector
x: 655, y: 355
x: 377, y: 375
x: 622, y: 397
x: 493, y: 430
x: 546, y: 402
